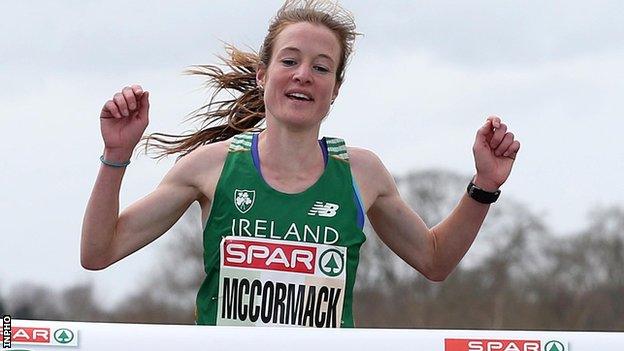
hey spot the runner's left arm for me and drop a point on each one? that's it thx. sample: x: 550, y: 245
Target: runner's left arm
x: 436, y: 251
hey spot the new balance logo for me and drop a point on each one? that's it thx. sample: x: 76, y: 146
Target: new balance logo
x: 323, y: 209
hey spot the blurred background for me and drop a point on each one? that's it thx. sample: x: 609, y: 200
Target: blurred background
x: 424, y: 77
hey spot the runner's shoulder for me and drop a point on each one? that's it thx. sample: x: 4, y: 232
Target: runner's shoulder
x: 363, y: 159
x: 204, y: 162
x: 370, y: 174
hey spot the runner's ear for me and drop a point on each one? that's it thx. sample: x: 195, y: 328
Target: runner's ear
x: 260, y: 75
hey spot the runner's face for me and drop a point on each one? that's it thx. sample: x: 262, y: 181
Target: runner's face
x: 300, y: 81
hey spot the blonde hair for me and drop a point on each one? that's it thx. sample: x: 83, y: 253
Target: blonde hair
x: 221, y: 119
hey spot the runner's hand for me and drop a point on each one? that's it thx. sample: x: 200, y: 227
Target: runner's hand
x: 123, y: 120
x: 495, y: 151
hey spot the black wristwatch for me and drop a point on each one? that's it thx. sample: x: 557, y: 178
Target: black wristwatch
x: 482, y: 196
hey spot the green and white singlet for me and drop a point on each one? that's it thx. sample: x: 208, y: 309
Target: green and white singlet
x: 277, y: 259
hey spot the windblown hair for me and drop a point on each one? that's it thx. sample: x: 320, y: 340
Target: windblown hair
x: 244, y: 110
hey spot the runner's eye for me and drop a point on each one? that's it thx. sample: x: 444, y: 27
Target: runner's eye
x: 288, y: 62
x: 321, y: 69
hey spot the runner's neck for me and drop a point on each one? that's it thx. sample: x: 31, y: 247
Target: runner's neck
x: 290, y: 162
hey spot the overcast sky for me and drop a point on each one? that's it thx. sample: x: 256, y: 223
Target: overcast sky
x: 424, y: 77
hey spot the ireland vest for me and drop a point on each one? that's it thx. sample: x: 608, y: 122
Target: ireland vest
x: 277, y: 259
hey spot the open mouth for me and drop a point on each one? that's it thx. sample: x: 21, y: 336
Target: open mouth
x: 299, y: 97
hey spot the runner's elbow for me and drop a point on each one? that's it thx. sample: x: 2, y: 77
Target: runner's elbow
x: 432, y: 272
x: 436, y: 276
x: 92, y: 262
x: 437, y: 270
x: 91, y: 266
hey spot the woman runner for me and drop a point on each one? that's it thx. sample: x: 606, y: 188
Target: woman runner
x: 282, y: 210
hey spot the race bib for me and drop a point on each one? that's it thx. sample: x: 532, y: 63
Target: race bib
x: 267, y: 282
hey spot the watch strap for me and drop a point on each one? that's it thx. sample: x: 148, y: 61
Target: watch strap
x: 482, y: 196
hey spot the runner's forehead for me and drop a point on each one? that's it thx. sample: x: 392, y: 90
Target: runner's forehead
x: 309, y: 39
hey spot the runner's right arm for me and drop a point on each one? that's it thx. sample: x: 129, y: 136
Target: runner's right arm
x: 108, y: 236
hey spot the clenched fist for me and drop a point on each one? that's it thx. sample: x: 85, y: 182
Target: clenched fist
x: 495, y: 150
x: 123, y: 121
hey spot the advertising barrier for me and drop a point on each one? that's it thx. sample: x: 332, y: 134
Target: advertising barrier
x: 56, y: 335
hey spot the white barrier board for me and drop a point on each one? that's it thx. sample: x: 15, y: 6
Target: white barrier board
x: 54, y: 335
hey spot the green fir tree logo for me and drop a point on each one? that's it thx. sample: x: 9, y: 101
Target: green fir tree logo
x: 63, y: 336
x: 554, y: 345
x: 331, y: 262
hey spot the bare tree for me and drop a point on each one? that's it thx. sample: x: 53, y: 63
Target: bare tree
x: 583, y: 283
x: 78, y: 303
x: 31, y: 301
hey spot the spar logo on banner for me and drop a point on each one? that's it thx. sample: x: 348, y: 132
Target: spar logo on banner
x: 503, y: 345
x: 44, y: 336
x: 279, y: 282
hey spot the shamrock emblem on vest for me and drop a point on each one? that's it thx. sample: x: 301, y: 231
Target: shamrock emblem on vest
x: 244, y: 199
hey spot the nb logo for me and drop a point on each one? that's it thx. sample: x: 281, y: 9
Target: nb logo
x: 323, y: 209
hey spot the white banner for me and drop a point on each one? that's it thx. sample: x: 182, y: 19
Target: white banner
x: 55, y: 335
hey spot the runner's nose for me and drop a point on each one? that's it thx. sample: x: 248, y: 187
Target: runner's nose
x: 302, y: 75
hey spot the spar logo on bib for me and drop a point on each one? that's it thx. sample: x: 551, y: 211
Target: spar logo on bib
x: 270, y: 256
x: 244, y: 199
